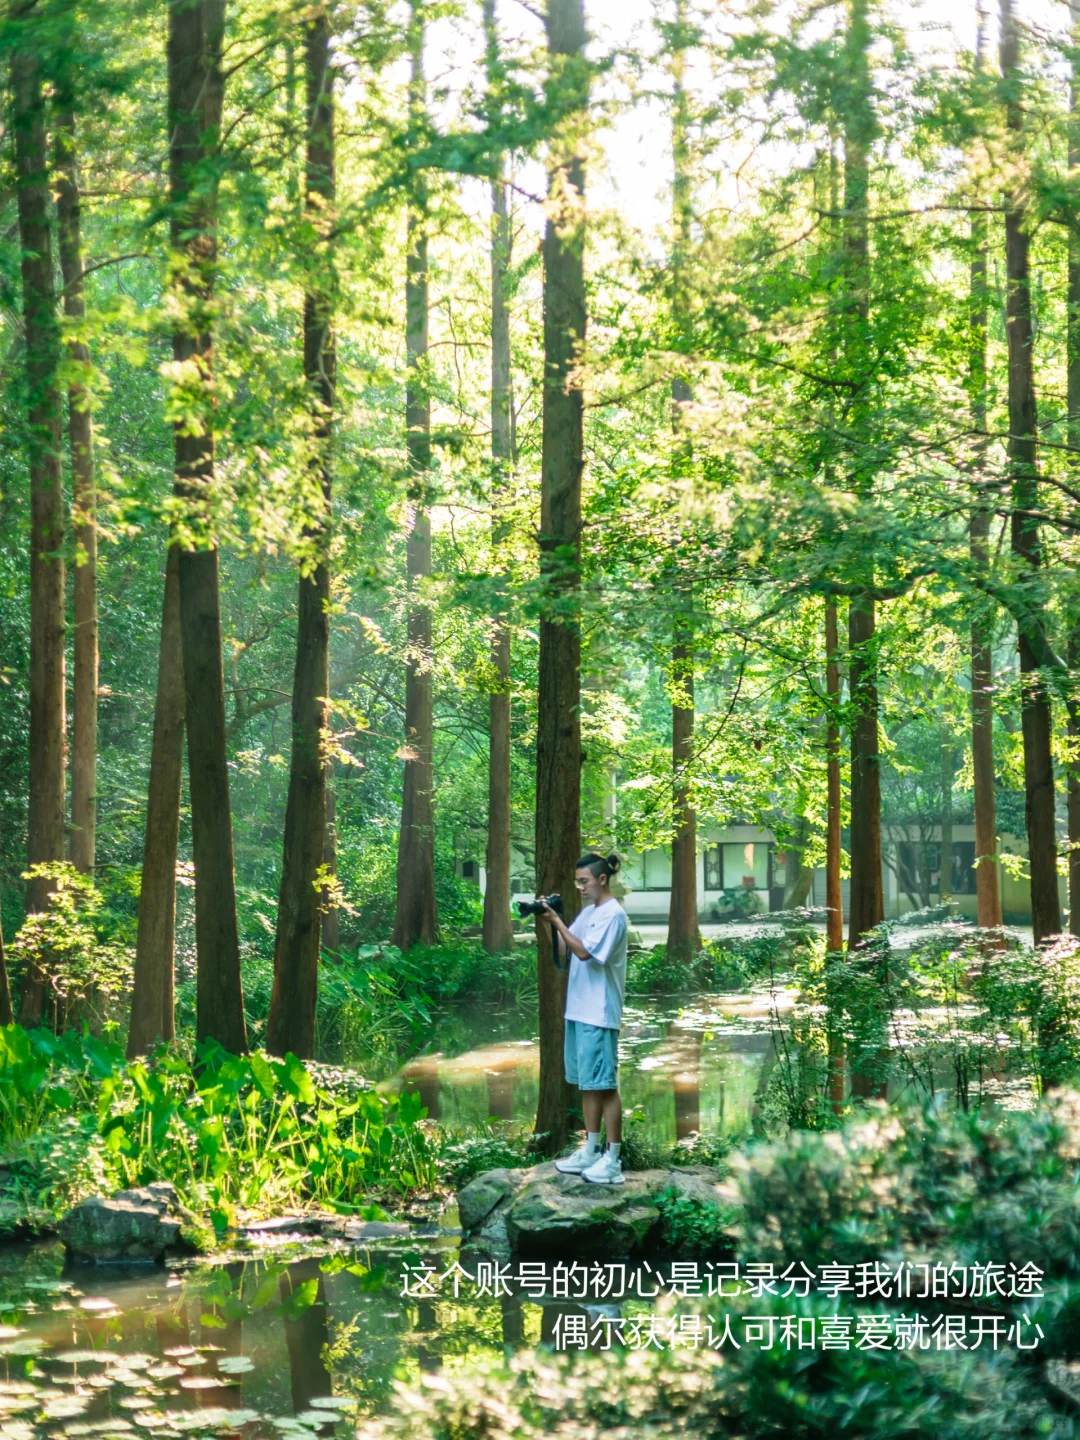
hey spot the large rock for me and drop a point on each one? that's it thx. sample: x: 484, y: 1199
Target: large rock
x: 542, y: 1212
x: 131, y: 1226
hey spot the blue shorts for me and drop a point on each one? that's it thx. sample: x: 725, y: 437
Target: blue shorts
x: 591, y: 1055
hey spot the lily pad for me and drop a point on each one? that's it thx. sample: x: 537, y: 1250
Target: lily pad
x: 164, y: 1372
x: 236, y: 1364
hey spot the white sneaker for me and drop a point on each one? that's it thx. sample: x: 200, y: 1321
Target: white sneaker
x: 606, y: 1171
x: 578, y: 1162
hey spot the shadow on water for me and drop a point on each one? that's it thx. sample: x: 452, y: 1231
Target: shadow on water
x: 686, y: 1067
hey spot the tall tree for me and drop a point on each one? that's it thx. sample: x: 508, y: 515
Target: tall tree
x: 684, y: 936
x: 83, y: 500
x: 1026, y: 546
x: 196, y: 97
x: 152, y: 1013
x: 498, y: 930
x: 1073, y: 403
x: 945, y: 850
x: 416, y: 919
x: 834, y: 905
x: 296, y: 948
x: 558, y: 734
x: 42, y: 349
x: 7, y: 1014
x: 867, y: 906
x: 987, y: 887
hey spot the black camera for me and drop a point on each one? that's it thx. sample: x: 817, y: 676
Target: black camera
x: 536, y: 907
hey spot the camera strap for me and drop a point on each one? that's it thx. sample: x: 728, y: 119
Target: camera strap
x: 564, y: 963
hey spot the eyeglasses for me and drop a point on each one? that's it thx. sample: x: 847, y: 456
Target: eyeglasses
x: 580, y: 884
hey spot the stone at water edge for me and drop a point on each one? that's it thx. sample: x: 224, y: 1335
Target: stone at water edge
x: 545, y: 1213
x: 131, y: 1226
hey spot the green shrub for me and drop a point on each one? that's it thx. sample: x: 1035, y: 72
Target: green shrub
x: 749, y: 1393
x: 730, y: 963
x: 690, y: 1226
x: 231, y: 1131
x: 963, y: 1187
x: 461, y: 1156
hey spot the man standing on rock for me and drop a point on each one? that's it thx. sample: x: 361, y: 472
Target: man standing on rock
x: 596, y: 942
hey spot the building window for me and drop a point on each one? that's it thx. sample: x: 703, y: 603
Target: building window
x: 714, y: 868
x: 470, y: 870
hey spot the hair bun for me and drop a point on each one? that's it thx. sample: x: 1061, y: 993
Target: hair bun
x: 614, y: 864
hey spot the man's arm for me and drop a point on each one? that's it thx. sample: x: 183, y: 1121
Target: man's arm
x: 562, y: 931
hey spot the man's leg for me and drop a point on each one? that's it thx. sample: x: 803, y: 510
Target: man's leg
x: 612, y: 1111
x: 592, y: 1107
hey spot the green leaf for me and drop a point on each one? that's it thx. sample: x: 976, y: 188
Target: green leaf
x: 301, y: 1299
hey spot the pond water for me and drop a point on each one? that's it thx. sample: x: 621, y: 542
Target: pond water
x: 295, y: 1344
x: 689, y: 1064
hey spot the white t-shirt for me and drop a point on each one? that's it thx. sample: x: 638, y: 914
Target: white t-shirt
x: 594, y: 994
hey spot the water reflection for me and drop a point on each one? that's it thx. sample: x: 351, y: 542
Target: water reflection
x: 688, y: 1069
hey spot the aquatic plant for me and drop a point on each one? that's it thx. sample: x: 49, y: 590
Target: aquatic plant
x: 252, y: 1132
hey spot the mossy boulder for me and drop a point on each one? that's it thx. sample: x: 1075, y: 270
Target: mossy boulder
x: 132, y: 1226
x: 541, y: 1212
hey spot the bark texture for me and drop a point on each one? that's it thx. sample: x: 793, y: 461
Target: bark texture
x: 834, y: 906
x: 196, y: 94
x: 84, y: 507
x: 416, y: 920
x: 296, y: 949
x: 42, y: 348
x: 1035, y: 716
x: 152, y: 1008
x: 558, y: 739
x: 498, y: 929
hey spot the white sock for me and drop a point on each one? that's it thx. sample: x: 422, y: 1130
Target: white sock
x: 614, y: 1146
x: 592, y: 1142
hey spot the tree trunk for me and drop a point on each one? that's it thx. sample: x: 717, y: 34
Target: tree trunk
x: 84, y: 509
x: 417, y: 919
x: 1035, y: 718
x: 498, y: 929
x: 7, y: 1014
x: 800, y: 876
x: 152, y: 1015
x: 987, y: 886
x: 684, y: 936
x: 296, y: 948
x: 834, y: 906
x: 945, y: 851
x: 331, y: 914
x: 42, y: 345
x: 558, y: 737
x: 867, y: 890
x: 1073, y: 403
x: 196, y: 93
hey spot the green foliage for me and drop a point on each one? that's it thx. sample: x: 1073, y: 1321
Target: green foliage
x: 749, y: 1393
x: 689, y: 1226
x: 249, y: 1132
x: 83, y: 971
x: 720, y: 964
x: 461, y: 1156
x: 962, y: 1186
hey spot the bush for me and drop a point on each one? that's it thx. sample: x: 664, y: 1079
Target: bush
x: 692, y: 1227
x: 750, y: 1393
x: 967, y: 1187
x: 462, y: 1156
x: 728, y: 964
x: 249, y: 1131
